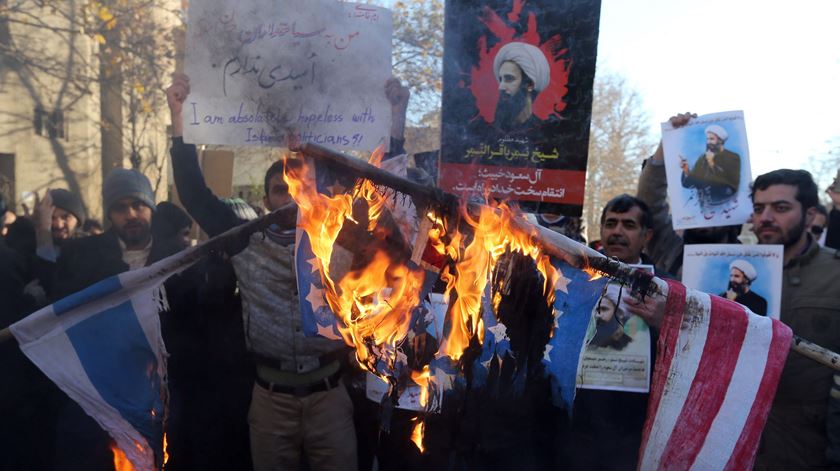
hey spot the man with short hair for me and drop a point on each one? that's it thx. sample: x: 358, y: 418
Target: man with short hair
x: 717, y: 172
x: 129, y: 204
x: 741, y: 276
x: 625, y: 229
x: 606, y: 430
x: 59, y: 217
x: 298, y: 403
x: 522, y: 71
x: 803, y: 428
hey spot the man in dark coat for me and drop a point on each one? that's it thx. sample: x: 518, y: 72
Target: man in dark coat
x: 803, y: 427
x: 128, y: 203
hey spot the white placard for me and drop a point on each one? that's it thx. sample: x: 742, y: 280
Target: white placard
x: 708, y: 177
x: 724, y: 270
x: 263, y: 70
x: 616, y: 355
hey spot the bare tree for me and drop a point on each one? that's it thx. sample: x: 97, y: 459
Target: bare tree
x: 64, y: 51
x: 618, y: 142
x: 418, y: 54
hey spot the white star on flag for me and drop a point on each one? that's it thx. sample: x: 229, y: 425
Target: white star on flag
x: 336, y: 188
x: 315, y: 297
x: 546, y: 353
x: 314, y: 263
x: 562, y: 283
x: 327, y: 331
x: 499, y: 332
x: 557, y: 314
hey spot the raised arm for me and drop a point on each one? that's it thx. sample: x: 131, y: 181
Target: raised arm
x: 398, y: 95
x: 212, y: 214
x: 666, y: 245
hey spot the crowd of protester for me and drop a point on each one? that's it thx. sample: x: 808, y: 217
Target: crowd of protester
x: 249, y: 390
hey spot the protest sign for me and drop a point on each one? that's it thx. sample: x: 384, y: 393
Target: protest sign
x: 617, y: 352
x: 517, y: 100
x: 747, y: 274
x: 707, y: 164
x: 264, y: 70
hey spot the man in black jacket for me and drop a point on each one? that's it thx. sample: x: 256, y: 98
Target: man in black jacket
x: 128, y: 203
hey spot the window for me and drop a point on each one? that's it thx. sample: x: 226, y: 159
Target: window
x: 50, y: 124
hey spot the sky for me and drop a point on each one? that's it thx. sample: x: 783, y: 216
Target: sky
x: 777, y: 61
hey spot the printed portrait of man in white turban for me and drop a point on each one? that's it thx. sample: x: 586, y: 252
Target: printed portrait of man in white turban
x: 742, y: 274
x: 522, y: 71
x: 716, y: 173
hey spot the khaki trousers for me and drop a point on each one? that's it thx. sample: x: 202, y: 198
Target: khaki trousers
x: 320, y: 425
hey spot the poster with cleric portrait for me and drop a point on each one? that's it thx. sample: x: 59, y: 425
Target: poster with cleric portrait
x: 707, y: 163
x: 517, y: 100
x: 750, y: 275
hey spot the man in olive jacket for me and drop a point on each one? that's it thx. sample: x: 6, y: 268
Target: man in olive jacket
x: 803, y: 429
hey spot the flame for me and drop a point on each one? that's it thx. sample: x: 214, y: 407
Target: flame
x: 417, y: 434
x: 493, y: 235
x: 422, y: 380
x: 593, y: 273
x: 373, y: 302
x: 165, y: 450
x: 121, y: 462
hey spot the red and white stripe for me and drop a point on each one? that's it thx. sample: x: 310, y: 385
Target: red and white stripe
x: 717, y: 369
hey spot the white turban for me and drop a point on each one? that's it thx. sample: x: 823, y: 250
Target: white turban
x: 718, y: 131
x: 529, y: 58
x: 745, y: 267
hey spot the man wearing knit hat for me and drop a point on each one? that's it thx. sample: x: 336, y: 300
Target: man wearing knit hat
x: 741, y: 276
x: 522, y: 71
x: 128, y: 244
x: 58, y: 216
x: 717, y: 173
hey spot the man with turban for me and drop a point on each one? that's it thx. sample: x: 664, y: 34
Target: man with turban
x: 522, y: 71
x: 717, y: 173
x: 741, y: 276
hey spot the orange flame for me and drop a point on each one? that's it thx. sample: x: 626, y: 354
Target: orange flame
x: 593, y: 273
x: 422, y: 380
x: 492, y: 236
x: 374, y: 302
x: 121, y: 462
x: 417, y: 434
x: 165, y: 450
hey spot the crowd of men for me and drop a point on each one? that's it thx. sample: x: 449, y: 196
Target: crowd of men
x: 249, y: 389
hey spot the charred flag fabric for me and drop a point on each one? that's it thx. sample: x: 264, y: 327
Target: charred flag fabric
x: 102, y: 346
x: 716, y: 373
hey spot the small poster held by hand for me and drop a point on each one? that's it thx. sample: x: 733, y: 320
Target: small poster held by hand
x: 707, y: 164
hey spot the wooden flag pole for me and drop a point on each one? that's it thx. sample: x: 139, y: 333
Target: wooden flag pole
x: 557, y: 245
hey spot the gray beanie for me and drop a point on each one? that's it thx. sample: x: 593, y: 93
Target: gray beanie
x: 123, y: 183
x: 69, y: 202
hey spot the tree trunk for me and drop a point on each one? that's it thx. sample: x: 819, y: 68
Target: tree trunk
x: 110, y: 101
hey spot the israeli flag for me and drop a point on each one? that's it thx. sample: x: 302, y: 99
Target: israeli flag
x: 103, y: 347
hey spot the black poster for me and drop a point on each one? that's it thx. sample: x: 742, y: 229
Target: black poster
x: 517, y: 100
